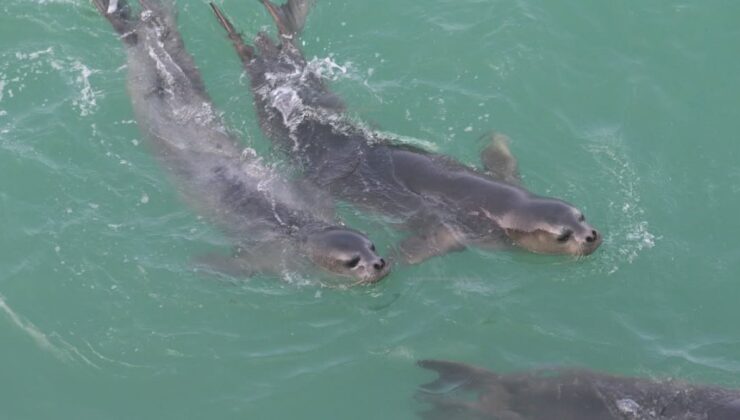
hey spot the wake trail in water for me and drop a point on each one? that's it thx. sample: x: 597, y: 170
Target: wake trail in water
x: 38, y: 336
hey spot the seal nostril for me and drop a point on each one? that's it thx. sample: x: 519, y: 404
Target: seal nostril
x: 379, y: 265
x: 593, y: 236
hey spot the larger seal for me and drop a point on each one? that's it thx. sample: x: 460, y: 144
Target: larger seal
x: 276, y: 223
x: 573, y: 394
x: 444, y: 204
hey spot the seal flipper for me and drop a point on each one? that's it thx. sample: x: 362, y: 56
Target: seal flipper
x: 243, y: 50
x: 439, y: 241
x: 243, y: 262
x: 453, y: 408
x: 290, y: 17
x: 454, y: 375
x: 450, y: 408
x: 498, y: 160
x: 221, y: 264
x: 118, y: 13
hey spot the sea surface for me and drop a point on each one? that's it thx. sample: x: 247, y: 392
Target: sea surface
x: 629, y: 109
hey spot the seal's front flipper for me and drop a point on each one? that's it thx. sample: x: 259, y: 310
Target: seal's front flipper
x: 498, y: 160
x: 227, y: 266
x: 119, y: 15
x: 266, y: 258
x: 418, y: 248
x: 443, y: 408
x: 244, y: 51
x: 493, y: 396
x: 290, y: 18
x: 452, y: 375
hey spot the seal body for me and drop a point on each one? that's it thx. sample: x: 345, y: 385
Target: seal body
x: 568, y: 394
x: 445, y: 205
x: 274, y: 221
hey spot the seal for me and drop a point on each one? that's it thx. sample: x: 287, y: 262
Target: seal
x: 444, y: 204
x: 568, y: 394
x: 276, y: 223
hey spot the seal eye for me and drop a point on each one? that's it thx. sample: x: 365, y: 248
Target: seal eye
x: 372, y: 247
x: 352, y: 263
x: 565, y: 236
x: 582, y: 218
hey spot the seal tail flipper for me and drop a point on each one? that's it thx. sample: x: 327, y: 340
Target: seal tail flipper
x: 244, y: 51
x: 119, y: 15
x: 290, y: 17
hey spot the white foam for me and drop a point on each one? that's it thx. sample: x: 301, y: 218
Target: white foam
x: 86, y: 102
x: 34, y: 55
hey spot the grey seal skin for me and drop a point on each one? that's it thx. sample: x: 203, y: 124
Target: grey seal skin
x: 277, y: 224
x: 444, y: 204
x: 568, y: 395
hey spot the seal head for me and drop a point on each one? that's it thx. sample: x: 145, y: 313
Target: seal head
x: 551, y: 226
x: 348, y: 253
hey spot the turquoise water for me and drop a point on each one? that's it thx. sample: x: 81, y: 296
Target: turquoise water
x: 628, y: 109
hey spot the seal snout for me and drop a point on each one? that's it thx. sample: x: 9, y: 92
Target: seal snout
x: 592, y: 242
x: 376, y: 270
x: 379, y: 265
x: 593, y: 237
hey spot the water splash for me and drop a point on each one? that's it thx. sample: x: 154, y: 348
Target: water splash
x: 26, y: 67
x: 632, y: 234
x: 327, y: 68
x: 86, y: 103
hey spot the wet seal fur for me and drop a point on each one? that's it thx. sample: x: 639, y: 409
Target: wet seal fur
x: 568, y: 394
x: 446, y: 205
x: 277, y: 224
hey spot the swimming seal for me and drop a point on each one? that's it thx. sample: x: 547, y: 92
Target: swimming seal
x: 277, y: 224
x: 445, y: 205
x: 568, y: 394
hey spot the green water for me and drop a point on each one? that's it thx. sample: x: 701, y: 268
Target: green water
x: 630, y: 109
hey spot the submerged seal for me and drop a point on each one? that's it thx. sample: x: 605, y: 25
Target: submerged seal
x: 446, y: 205
x: 276, y: 223
x: 568, y: 394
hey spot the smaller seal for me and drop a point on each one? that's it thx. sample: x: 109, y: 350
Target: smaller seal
x: 278, y: 224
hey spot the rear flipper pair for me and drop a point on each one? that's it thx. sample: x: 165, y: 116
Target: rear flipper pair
x: 290, y: 18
